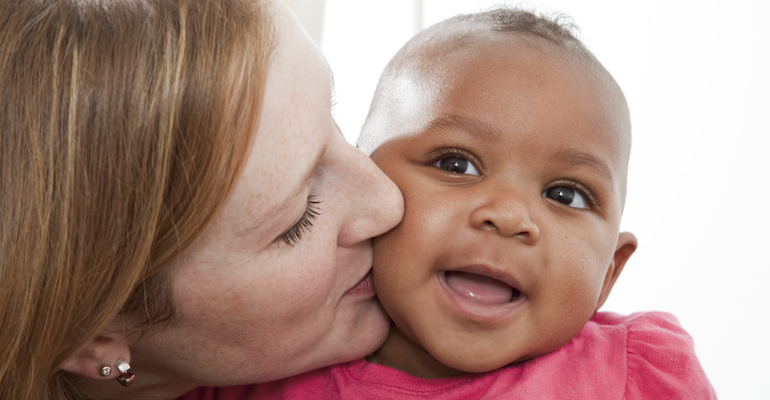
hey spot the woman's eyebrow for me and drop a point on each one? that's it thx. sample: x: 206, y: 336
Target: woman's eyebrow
x: 305, y: 181
x: 286, y: 202
x: 331, y: 76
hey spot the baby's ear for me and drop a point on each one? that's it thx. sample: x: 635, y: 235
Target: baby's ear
x: 102, y: 351
x: 626, y: 246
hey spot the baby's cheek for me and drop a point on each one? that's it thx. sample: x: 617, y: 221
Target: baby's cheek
x: 588, y: 262
x: 571, y: 292
x: 388, y: 261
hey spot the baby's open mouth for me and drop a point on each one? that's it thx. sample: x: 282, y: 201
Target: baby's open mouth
x: 480, y: 288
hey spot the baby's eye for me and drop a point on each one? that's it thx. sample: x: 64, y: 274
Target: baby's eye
x: 567, y: 196
x: 457, y: 165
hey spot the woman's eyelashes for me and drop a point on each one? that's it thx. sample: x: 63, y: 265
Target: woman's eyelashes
x: 454, y: 161
x: 571, y: 194
x: 305, y: 223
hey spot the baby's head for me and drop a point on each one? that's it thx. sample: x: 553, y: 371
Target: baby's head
x: 510, y: 143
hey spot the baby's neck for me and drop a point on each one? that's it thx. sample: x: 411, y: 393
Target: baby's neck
x: 402, y: 354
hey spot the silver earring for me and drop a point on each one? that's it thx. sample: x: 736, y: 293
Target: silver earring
x: 105, y: 371
x: 126, y: 375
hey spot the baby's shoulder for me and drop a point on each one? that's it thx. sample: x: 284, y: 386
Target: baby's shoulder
x: 651, y: 326
x: 659, y: 355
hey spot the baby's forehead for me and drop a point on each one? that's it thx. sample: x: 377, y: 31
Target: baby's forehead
x: 442, y: 78
x: 514, y: 61
x: 454, y: 54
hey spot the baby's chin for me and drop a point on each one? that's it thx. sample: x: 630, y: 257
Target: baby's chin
x: 481, y: 364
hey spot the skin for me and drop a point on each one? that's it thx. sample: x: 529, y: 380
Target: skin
x: 251, y: 307
x: 527, y: 122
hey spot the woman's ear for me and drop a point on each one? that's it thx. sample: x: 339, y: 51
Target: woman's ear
x: 103, y: 351
x: 627, y: 244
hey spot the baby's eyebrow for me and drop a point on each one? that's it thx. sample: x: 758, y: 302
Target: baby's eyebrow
x: 474, y: 127
x: 579, y: 157
x: 480, y: 130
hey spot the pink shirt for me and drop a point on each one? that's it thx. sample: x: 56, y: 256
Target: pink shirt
x: 641, y: 356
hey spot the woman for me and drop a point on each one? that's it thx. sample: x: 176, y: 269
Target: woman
x: 176, y: 201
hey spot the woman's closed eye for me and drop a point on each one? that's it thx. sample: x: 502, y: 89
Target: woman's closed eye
x: 305, y: 223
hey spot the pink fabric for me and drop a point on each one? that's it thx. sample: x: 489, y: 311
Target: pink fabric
x: 641, y: 356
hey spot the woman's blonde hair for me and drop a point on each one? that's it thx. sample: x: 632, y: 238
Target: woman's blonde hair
x: 123, y: 125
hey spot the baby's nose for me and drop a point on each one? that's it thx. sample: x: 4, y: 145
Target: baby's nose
x: 508, y: 213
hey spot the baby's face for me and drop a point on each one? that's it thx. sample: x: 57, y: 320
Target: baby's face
x: 509, y: 241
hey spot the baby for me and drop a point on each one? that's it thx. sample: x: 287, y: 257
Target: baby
x: 510, y: 143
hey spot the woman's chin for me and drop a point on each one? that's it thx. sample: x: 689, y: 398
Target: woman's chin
x: 366, y: 333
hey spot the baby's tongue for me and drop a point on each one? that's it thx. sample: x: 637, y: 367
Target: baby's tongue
x: 479, y: 288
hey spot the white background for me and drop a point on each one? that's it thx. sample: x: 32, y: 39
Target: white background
x: 695, y: 74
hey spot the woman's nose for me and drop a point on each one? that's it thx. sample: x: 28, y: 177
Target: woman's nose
x: 507, y: 212
x: 375, y: 205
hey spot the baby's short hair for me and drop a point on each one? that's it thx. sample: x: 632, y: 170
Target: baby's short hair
x: 558, y: 29
x: 556, y: 33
